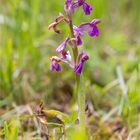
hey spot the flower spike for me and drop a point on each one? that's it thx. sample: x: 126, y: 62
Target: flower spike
x: 75, y: 40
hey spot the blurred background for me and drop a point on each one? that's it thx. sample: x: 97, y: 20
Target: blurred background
x: 111, y: 76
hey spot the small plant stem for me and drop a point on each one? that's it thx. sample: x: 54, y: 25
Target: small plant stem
x: 81, y: 104
x: 74, y: 48
x: 80, y: 96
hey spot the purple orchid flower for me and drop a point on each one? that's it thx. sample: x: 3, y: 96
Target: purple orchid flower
x: 68, y: 8
x: 77, y: 33
x: 83, y: 57
x: 78, y: 41
x: 68, y: 2
x: 68, y: 59
x: 86, y: 7
x: 62, y: 46
x: 64, y: 54
x: 54, y: 65
x: 91, y: 27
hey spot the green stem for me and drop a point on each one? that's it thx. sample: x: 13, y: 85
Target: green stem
x: 74, y: 48
x: 81, y: 103
x: 80, y: 95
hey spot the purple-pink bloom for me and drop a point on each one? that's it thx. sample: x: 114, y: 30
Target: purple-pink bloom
x: 77, y: 33
x: 91, y: 27
x: 83, y: 57
x: 55, y: 66
x: 79, y: 68
x: 93, y: 31
x: 68, y: 8
x: 66, y: 58
x: 62, y: 46
x: 64, y: 54
x: 54, y: 63
x: 78, y: 41
x: 68, y: 2
x: 86, y: 7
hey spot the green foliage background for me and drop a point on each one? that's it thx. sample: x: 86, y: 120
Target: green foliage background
x: 26, y: 46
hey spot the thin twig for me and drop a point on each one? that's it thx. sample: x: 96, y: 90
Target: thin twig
x: 121, y: 81
x: 34, y: 119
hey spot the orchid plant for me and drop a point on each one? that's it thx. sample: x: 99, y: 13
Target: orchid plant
x: 74, y: 41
